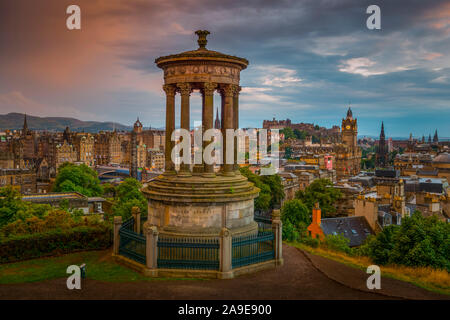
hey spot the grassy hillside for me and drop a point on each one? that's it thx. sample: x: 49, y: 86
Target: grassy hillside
x: 15, y: 121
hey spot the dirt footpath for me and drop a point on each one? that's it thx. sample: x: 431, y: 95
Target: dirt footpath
x: 301, y: 277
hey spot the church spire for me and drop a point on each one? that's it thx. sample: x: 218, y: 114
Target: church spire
x: 217, y: 121
x: 25, y: 124
x: 382, y: 130
x: 435, y: 138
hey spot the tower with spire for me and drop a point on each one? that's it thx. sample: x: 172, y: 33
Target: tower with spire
x: 435, y: 138
x: 25, y: 125
x: 349, y: 130
x: 348, y: 160
x: 382, y: 155
x: 217, y: 121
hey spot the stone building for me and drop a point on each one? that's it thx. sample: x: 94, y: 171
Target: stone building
x: 355, y: 228
x: 21, y: 179
x: 387, y: 204
x: 84, y: 147
x: 290, y: 183
x: 423, y: 165
x: 27, y: 141
x: 107, y: 148
x: 65, y: 152
x: 382, y: 150
x: 331, y: 134
x: 348, y: 154
x: 155, y: 159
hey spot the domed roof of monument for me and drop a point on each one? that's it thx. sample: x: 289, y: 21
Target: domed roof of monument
x: 442, y: 158
x: 201, y: 54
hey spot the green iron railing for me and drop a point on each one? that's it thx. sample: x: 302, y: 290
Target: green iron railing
x: 132, y: 245
x: 252, y: 249
x: 188, y: 253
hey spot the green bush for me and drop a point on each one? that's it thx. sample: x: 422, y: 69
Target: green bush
x: 337, y: 243
x: 290, y: 232
x: 312, y: 242
x: 57, y: 241
x: 380, y: 248
x: 418, y: 242
x: 295, y: 212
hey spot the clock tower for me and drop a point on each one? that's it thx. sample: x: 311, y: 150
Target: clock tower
x: 348, y: 154
x: 349, y: 130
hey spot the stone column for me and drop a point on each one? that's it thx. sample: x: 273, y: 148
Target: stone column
x: 236, y: 91
x: 226, y: 248
x: 185, y: 90
x: 208, y: 120
x: 151, y: 234
x: 227, y: 169
x: 199, y: 167
x: 170, y: 91
x: 278, y: 240
x: 136, y: 213
x: 117, y: 226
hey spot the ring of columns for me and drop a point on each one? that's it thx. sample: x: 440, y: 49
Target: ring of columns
x: 195, y: 200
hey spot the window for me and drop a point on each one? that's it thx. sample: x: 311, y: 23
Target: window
x: 354, y: 232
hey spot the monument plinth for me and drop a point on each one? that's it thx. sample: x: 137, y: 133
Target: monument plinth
x: 197, y: 201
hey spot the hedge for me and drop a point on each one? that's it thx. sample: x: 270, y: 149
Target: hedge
x: 54, y: 242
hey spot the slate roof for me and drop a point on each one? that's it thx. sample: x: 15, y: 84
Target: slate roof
x: 387, y: 173
x: 366, y: 181
x: 356, y: 229
x: 423, y: 172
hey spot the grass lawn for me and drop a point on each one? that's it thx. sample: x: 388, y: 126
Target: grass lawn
x: 99, y: 266
x: 426, y: 278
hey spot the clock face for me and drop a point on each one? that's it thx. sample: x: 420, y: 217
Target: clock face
x: 347, y: 127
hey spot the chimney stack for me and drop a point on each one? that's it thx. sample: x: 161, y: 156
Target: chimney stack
x: 316, y: 214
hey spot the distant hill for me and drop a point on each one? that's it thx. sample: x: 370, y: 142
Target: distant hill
x: 14, y: 121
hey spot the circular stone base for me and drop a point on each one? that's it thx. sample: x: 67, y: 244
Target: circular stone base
x: 174, y: 232
x: 201, y: 206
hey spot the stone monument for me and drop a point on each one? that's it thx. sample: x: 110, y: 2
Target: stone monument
x: 196, y: 201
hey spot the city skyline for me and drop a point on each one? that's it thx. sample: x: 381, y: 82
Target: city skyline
x: 127, y: 126
x: 308, y: 61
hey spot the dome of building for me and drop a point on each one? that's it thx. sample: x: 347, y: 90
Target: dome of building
x: 201, y: 54
x: 442, y: 158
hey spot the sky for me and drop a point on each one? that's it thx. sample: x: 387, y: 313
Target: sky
x: 309, y: 60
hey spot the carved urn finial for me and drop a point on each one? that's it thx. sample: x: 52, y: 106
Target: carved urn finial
x: 202, y: 38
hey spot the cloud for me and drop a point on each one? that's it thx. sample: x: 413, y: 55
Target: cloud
x: 277, y: 76
x: 441, y: 79
x: 307, y: 58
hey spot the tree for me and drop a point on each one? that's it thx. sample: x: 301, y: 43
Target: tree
x: 380, y: 247
x: 288, y: 152
x: 78, y: 178
x: 419, y: 241
x: 10, y: 204
x: 322, y: 191
x: 301, y: 135
x: 109, y: 190
x: 288, y: 133
x: 295, y: 213
x: 128, y: 195
x: 271, y: 190
x: 276, y: 189
x: 422, y: 241
x: 315, y: 139
x: 12, y: 208
x: 262, y: 202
